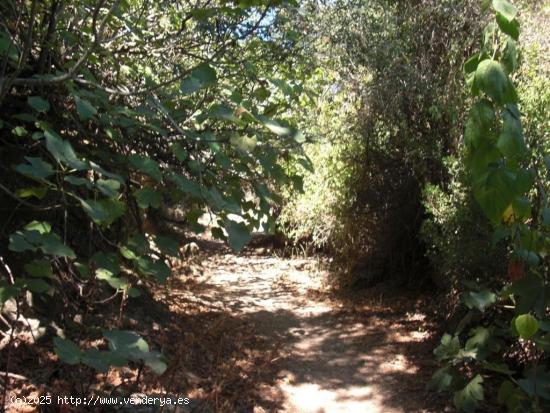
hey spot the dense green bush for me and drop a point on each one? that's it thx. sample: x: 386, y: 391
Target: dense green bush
x: 455, y: 231
x: 389, y: 115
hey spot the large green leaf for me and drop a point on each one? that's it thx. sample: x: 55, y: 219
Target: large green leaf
x: 36, y: 191
x: 39, y: 268
x: 179, y: 151
x: 506, y: 9
x: 66, y: 350
x: 85, y: 109
x: 167, y: 245
x: 38, y: 103
x: 496, y: 192
x: 481, y: 119
x: 37, y: 285
x: 448, y: 347
x: 103, y: 212
x: 156, y: 269
x: 62, y: 150
x: 186, y: 185
x: 108, y: 187
x: 131, y: 346
x: 537, y: 382
x: 118, y: 283
x: 491, y: 79
x: 238, y: 235
x: 479, y: 300
x: 37, y: 168
x: 147, y: 166
x: 33, y: 239
x: 511, y: 142
x: 526, y: 326
x: 7, y: 291
x: 148, y: 197
x: 200, y: 77
x: 469, y: 397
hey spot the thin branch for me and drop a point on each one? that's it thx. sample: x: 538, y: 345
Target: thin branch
x: 98, y: 33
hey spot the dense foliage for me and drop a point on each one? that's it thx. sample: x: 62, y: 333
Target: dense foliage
x: 510, y: 186
x: 114, y: 110
x: 389, y: 112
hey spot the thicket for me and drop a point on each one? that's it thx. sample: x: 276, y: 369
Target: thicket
x: 389, y: 115
x: 111, y: 110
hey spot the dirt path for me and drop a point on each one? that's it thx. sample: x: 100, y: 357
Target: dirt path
x: 333, y: 356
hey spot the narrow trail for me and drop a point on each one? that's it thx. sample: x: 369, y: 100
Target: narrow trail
x: 333, y: 356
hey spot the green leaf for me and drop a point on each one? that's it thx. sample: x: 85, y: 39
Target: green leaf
x: 67, y: 351
x: 98, y: 360
x: 8, y: 46
x: 41, y: 226
x: 139, y: 244
x: 37, y: 285
x: 148, y: 197
x: 130, y: 346
x: 127, y: 343
x: 511, y: 142
x: 19, y: 131
x: 157, y: 269
x: 39, y: 268
x: 147, y: 166
x: 106, y: 261
x: 38, y: 168
x: 469, y: 397
x: 223, y: 112
x: 238, y: 235
x: 103, y: 212
x: 496, y: 192
x: 510, y: 27
x: 511, y: 396
x: 479, y: 300
x: 78, y: 181
x: 167, y: 245
x: 179, y: 151
x: 186, y: 185
x: 62, y: 151
x: 243, y: 143
x: 7, y: 291
x: 444, y: 379
x: 133, y: 292
x: 118, y: 283
x: 526, y: 326
x: 52, y: 245
x: 280, y: 129
x: 83, y: 270
x: 19, y: 243
x: 36, y: 191
x: 491, y: 79
x: 155, y: 361
x: 201, y: 77
x: 448, y: 348
x: 506, y: 9
x: 481, y: 119
x: 536, y: 383
x: 85, y: 109
x: 108, y: 187
x: 39, y: 104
